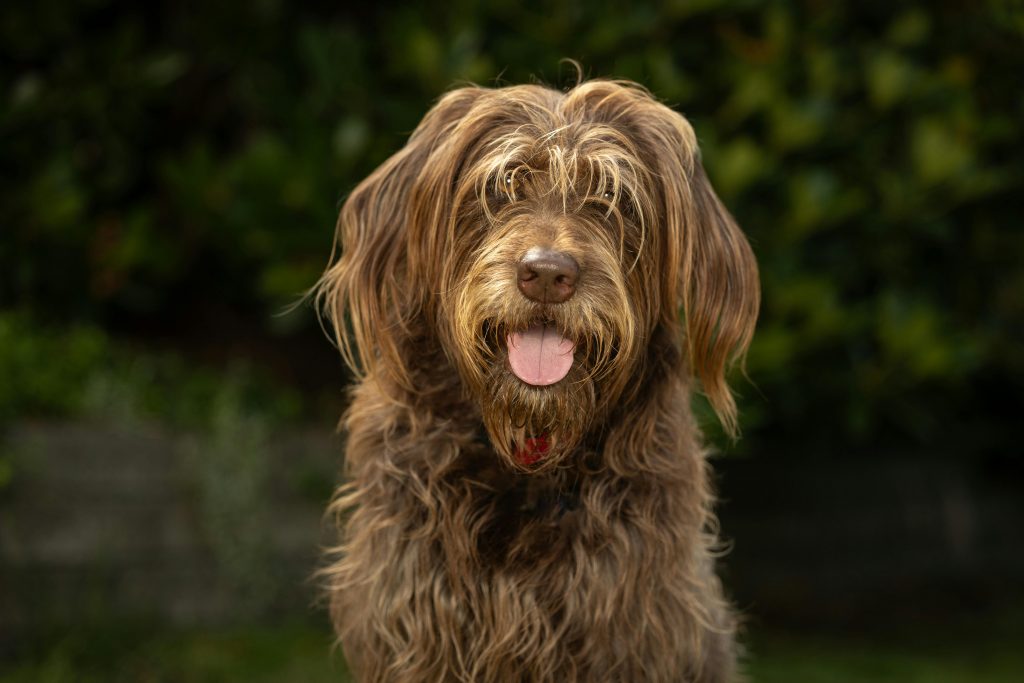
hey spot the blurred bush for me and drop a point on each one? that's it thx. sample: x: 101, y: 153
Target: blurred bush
x: 77, y: 370
x: 166, y: 164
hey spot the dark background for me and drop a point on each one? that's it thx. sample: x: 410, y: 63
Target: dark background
x: 171, y: 177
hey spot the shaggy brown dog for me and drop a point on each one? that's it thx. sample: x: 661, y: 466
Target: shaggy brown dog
x: 525, y: 289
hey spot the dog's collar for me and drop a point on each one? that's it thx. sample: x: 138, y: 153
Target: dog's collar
x: 534, y: 449
x: 528, y: 454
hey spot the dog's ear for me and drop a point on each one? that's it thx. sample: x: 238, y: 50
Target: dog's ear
x: 720, y: 292
x: 376, y: 283
x: 708, y: 268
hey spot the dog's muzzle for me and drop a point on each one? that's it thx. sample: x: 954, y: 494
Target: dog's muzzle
x: 540, y: 356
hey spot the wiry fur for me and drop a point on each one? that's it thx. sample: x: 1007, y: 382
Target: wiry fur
x: 459, y: 561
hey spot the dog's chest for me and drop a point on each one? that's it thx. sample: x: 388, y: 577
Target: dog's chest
x: 522, y: 517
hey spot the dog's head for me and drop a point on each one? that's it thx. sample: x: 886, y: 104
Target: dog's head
x: 564, y: 249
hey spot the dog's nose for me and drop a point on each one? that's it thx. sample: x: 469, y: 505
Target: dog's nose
x: 547, y: 276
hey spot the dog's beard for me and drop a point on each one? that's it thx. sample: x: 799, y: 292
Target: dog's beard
x: 535, y: 428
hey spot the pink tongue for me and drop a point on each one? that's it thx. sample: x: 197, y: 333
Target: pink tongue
x: 540, y: 356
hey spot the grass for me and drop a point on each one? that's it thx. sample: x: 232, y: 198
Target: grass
x: 300, y: 653
x: 778, y: 658
x: 286, y: 654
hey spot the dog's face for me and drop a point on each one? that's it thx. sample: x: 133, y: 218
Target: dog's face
x: 563, y: 249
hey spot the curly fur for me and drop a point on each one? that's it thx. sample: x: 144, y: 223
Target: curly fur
x: 460, y: 561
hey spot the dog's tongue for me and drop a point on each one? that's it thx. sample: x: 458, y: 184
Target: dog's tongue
x: 540, y: 356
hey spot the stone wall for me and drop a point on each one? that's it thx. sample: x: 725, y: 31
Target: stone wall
x: 835, y: 540
x: 106, y: 522
x: 111, y: 522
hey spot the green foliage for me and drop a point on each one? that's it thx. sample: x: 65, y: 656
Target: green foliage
x: 46, y: 370
x: 160, y: 159
x: 77, y: 370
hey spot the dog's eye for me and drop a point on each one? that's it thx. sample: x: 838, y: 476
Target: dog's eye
x: 611, y: 199
x: 508, y: 186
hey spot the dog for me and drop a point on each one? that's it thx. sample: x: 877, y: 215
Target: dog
x: 529, y: 292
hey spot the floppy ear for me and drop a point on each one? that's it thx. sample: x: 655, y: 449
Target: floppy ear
x: 720, y: 292
x: 373, y: 288
x: 708, y: 267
